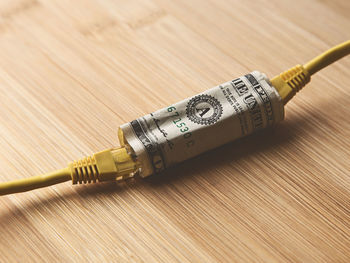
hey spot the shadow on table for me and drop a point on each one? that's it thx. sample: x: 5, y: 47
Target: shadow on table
x: 260, y: 142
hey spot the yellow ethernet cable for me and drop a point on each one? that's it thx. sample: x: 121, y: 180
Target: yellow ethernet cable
x: 153, y: 143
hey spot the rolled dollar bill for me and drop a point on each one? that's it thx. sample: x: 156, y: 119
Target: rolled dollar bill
x: 205, y: 121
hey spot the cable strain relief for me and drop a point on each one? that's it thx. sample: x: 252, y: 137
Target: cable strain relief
x: 289, y: 82
x: 84, y: 171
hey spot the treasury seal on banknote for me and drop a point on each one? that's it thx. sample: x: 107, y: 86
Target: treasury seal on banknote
x: 204, y: 109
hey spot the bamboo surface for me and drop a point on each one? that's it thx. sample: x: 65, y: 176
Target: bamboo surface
x: 71, y: 72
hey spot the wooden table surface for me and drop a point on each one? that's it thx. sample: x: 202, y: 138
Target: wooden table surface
x: 71, y: 72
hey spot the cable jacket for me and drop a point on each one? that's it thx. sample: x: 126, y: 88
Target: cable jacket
x: 328, y: 57
x: 27, y: 184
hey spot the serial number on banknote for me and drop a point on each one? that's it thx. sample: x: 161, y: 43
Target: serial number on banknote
x: 181, y: 126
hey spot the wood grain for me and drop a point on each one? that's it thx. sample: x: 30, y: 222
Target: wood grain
x: 71, y: 72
